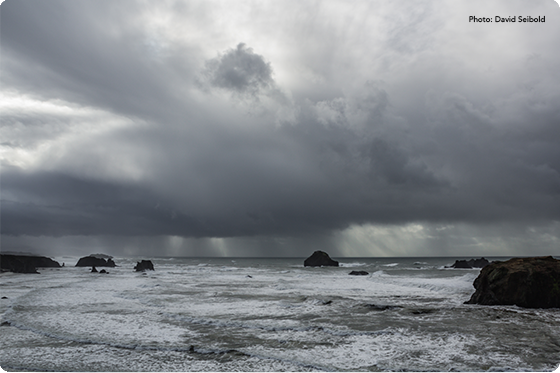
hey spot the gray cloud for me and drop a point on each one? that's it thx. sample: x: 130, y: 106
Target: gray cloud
x: 116, y: 123
x: 240, y: 70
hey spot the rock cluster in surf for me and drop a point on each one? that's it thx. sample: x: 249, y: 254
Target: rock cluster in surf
x: 96, y: 260
x: 471, y: 263
x: 144, y: 265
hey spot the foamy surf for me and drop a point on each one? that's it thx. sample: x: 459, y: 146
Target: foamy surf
x: 267, y: 314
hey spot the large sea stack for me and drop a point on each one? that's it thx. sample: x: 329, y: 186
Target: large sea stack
x: 23, y: 263
x: 320, y: 259
x: 96, y: 260
x: 525, y: 282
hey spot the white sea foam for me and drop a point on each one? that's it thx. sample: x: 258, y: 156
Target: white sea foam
x: 352, y: 264
x: 287, y: 319
x: 395, y: 349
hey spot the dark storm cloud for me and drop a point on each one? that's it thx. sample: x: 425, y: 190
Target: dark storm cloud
x: 309, y: 178
x: 240, y: 70
x: 56, y: 205
x: 139, y: 134
x: 76, y: 51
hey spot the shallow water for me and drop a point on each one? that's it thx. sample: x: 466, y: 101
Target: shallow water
x: 202, y: 314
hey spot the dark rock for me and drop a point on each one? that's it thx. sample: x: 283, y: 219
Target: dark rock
x: 378, y: 307
x: 359, y: 273
x: 5, y: 323
x: 4, y: 297
x: 103, y: 271
x: 25, y: 263
x: 471, y: 263
x: 144, y: 265
x: 93, y: 269
x: 92, y: 260
x: 422, y: 311
x: 525, y: 282
x: 461, y: 264
x: 318, y: 259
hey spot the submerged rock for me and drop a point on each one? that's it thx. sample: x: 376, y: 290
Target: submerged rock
x: 144, y: 265
x: 319, y: 259
x: 525, y: 282
x: 25, y: 263
x: 379, y: 307
x: 359, y: 273
x: 471, y: 263
x: 95, y: 261
x: 422, y: 311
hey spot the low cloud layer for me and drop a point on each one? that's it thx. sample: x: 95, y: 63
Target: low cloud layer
x: 124, y: 122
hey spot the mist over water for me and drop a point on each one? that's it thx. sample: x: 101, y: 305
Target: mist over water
x: 248, y: 314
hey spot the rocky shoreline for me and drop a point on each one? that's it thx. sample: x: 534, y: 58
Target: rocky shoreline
x: 526, y: 282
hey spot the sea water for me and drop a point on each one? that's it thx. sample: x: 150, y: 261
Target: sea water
x: 248, y: 314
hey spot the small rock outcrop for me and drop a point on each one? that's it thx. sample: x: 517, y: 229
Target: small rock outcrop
x: 95, y: 261
x: 144, y: 265
x: 359, y: 273
x: 319, y: 259
x: 25, y: 263
x: 525, y: 282
x: 471, y: 263
x: 377, y: 307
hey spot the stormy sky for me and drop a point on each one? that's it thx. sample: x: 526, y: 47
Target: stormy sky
x: 275, y: 128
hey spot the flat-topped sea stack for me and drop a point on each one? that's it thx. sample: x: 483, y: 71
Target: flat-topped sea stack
x: 96, y: 260
x: 471, y: 263
x: 320, y: 259
x: 24, y: 263
x: 359, y: 273
x: 525, y: 282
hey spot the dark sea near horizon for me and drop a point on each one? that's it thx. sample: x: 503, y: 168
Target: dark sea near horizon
x: 267, y: 314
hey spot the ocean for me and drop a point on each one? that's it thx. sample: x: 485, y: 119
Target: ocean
x: 263, y: 314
